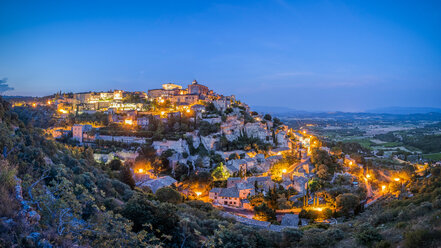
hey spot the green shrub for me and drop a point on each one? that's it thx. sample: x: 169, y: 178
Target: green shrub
x: 291, y: 235
x: 335, y: 234
x: 421, y: 238
x: 316, y: 237
x: 383, y: 244
x: 168, y: 194
x: 401, y: 225
x: 368, y: 235
x: 386, y: 216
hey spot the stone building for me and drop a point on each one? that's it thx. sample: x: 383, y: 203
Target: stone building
x: 79, y: 132
x: 197, y: 89
x: 235, y: 196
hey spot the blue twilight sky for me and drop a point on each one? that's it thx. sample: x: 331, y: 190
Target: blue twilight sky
x: 307, y: 55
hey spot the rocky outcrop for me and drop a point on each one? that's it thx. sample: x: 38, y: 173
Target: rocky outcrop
x: 282, y: 140
x: 179, y: 146
x: 30, y: 216
x: 209, y: 142
x: 257, y: 130
x: 235, y: 127
x: 212, y: 120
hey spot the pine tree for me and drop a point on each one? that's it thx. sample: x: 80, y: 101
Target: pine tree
x: 126, y: 176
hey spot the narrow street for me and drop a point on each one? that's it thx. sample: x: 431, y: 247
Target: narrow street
x: 295, y: 167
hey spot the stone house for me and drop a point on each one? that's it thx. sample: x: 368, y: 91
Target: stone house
x: 79, y: 132
x: 232, y: 196
x: 232, y: 181
x: 142, y: 121
x: 236, y: 165
x: 279, y: 151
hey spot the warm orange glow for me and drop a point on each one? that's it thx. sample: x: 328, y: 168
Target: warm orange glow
x: 198, y: 193
x: 188, y: 110
x: 62, y: 111
x: 34, y: 105
x: 128, y: 122
x: 317, y: 209
x: 350, y: 162
x: 368, y: 176
x: 383, y: 187
x: 396, y: 179
x: 140, y: 170
x: 161, y: 101
x: 163, y: 113
x: 49, y: 102
x: 304, y: 131
x: 284, y: 171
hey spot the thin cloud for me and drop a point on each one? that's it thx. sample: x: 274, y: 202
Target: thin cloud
x: 4, y: 86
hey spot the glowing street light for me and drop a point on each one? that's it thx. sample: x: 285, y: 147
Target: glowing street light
x: 317, y: 209
x: 284, y: 171
x: 368, y: 176
x: 396, y: 179
x: 198, y: 194
x: 383, y: 187
x: 140, y: 170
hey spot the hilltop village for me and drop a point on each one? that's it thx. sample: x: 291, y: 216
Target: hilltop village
x: 214, y: 148
x: 189, y: 167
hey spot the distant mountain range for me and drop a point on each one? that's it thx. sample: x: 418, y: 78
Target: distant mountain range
x: 277, y: 110
x: 404, y: 110
x: 386, y: 110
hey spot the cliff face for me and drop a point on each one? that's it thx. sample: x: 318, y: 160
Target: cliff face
x: 234, y: 127
x: 209, y: 141
x: 282, y: 139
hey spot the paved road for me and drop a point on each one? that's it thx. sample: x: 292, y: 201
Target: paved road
x: 237, y: 211
x: 295, y: 167
x: 250, y: 213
